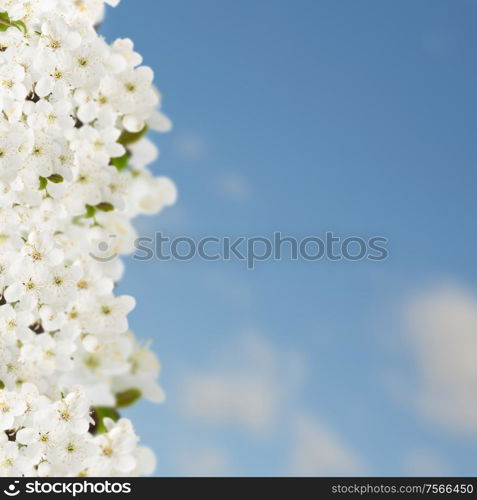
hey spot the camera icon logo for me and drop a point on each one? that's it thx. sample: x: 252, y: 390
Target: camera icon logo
x: 12, y: 490
x: 105, y: 252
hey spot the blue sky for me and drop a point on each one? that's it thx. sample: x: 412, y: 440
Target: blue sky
x: 307, y: 116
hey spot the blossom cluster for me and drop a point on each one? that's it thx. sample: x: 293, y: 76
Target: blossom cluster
x: 73, y: 173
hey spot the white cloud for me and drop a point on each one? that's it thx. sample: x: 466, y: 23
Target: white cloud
x: 440, y: 44
x: 229, y: 286
x: 233, y: 398
x: 189, y: 146
x: 209, y: 462
x: 234, y: 186
x: 443, y: 336
x: 318, y: 451
x: 247, y: 390
x: 174, y: 219
x: 255, y: 387
x: 425, y: 463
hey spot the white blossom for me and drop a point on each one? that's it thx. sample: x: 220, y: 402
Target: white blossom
x: 73, y: 174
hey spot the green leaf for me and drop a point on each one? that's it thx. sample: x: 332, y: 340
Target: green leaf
x: 21, y: 26
x: 6, y: 22
x: 43, y: 183
x: 90, y: 212
x: 132, y: 137
x: 99, y: 414
x: 127, y: 398
x: 2, y: 384
x: 121, y: 163
x: 56, y: 178
x: 105, y: 206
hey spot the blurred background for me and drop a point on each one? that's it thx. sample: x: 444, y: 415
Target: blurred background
x: 307, y: 116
